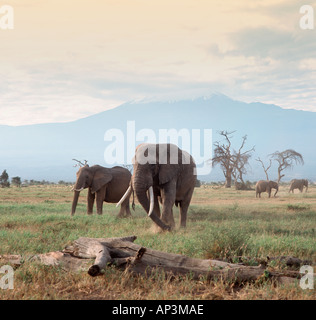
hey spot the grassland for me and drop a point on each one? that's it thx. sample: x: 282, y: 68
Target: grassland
x: 222, y: 224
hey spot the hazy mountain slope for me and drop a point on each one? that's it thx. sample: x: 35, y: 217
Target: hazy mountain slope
x: 45, y: 151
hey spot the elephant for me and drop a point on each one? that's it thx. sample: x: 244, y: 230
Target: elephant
x: 298, y: 184
x: 166, y: 174
x: 266, y: 186
x: 105, y: 184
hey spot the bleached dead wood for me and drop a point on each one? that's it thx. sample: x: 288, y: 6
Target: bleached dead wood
x: 126, y: 255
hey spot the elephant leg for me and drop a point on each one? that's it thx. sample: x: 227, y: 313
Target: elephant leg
x: 121, y: 212
x: 124, y: 210
x: 269, y: 193
x: 90, y: 201
x: 100, y: 196
x: 127, y: 210
x: 184, y: 205
x: 168, y: 195
x: 183, y: 208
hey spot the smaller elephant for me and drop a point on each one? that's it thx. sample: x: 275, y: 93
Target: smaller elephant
x: 266, y: 186
x: 298, y: 184
x: 105, y: 185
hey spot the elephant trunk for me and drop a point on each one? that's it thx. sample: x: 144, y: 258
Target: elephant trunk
x: 141, y: 193
x: 140, y: 189
x: 79, y: 186
x: 276, y: 190
x: 75, y: 202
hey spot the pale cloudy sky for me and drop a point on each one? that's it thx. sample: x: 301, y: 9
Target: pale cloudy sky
x: 68, y: 59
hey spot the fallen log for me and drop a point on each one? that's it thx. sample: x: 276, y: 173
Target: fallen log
x: 286, y: 261
x: 126, y: 255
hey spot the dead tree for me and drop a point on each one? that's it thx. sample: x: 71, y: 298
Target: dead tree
x: 233, y: 163
x: 264, y: 168
x: 240, y: 163
x: 285, y: 160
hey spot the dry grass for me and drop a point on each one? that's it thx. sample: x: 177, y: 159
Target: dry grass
x: 42, y: 282
x: 221, y: 224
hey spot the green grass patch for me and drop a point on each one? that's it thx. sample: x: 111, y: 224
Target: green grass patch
x: 222, y: 224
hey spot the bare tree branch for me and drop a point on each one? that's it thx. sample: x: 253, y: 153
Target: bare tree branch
x: 80, y: 164
x: 264, y: 168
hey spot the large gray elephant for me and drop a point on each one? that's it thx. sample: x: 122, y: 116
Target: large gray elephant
x: 105, y: 184
x: 266, y: 186
x: 298, y: 184
x: 163, y: 172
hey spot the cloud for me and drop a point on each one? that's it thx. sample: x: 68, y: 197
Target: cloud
x: 54, y: 68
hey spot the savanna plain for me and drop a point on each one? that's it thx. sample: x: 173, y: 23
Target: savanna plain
x: 222, y: 224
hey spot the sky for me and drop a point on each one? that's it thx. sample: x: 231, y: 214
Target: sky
x: 66, y: 60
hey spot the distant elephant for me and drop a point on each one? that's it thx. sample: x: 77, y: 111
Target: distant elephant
x: 163, y: 173
x: 266, y: 186
x: 105, y: 184
x: 298, y: 184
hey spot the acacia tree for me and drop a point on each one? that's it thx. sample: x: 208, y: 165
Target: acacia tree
x: 233, y: 163
x: 16, y: 181
x: 286, y: 159
x: 4, y: 179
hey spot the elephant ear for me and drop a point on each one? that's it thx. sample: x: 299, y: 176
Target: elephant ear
x: 101, y: 178
x: 167, y: 172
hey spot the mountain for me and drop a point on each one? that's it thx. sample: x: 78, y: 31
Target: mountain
x: 45, y: 151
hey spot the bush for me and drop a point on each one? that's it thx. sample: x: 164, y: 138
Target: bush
x: 243, y: 185
x: 298, y: 207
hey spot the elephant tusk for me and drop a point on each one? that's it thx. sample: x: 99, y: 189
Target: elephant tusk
x: 78, y: 190
x: 124, y: 196
x: 151, y: 198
